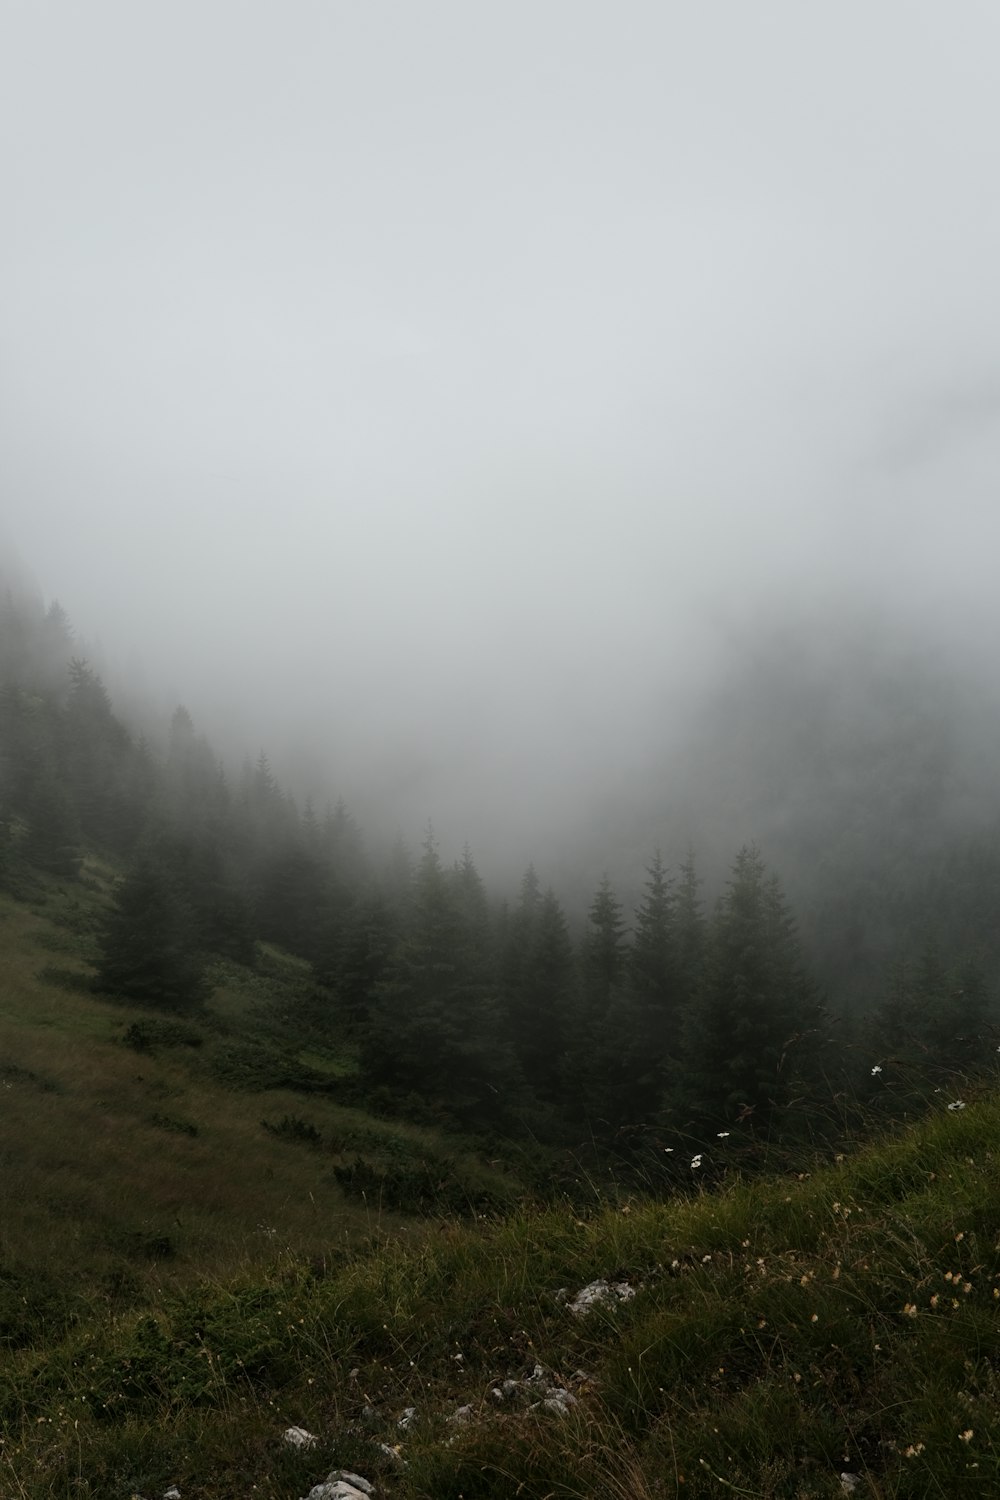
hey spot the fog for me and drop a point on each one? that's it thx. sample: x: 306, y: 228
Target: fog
x: 442, y: 396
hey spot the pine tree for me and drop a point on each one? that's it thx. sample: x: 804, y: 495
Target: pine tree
x: 541, y: 997
x: 358, y: 937
x: 149, y: 950
x: 596, y: 1046
x: 434, y: 1026
x: 690, y: 931
x: 95, y: 758
x: 52, y: 839
x: 754, y: 1029
x: 642, y: 1032
x: 516, y: 938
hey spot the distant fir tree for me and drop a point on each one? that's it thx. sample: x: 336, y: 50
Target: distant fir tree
x: 642, y: 1033
x: 358, y: 937
x: 540, y: 989
x: 755, y: 1028
x: 52, y: 840
x: 593, y: 1059
x: 342, y: 847
x: 690, y: 930
x: 96, y: 758
x: 149, y: 951
x: 434, y: 1030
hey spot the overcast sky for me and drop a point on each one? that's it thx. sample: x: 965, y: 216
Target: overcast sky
x: 440, y: 384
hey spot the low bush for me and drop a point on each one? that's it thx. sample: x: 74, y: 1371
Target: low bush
x: 291, y: 1128
x: 156, y: 1031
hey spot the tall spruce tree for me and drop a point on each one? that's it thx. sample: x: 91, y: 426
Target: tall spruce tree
x: 755, y: 1027
x: 596, y: 1047
x: 434, y: 1024
x: 541, y: 992
x: 150, y: 950
x: 643, y: 1023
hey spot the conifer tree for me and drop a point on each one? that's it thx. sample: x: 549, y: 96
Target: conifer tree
x: 754, y: 1028
x: 595, y: 1050
x: 52, y: 839
x: 150, y: 951
x: 545, y: 999
x: 434, y: 1028
x: 643, y: 1024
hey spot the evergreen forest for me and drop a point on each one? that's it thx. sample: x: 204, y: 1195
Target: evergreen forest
x: 327, y: 1155
x: 602, y: 1021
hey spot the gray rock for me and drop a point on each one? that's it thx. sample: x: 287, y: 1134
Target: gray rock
x: 596, y: 1293
x: 341, y: 1485
x: 295, y: 1437
x: 556, y: 1404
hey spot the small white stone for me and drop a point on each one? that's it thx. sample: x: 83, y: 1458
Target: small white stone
x: 600, y: 1292
x: 296, y: 1437
x: 344, y: 1476
x: 338, y: 1490
x: 341, y: 1485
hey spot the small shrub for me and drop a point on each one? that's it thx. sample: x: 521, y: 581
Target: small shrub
x: 256, y: 1068
x: 14, y: 1073
x: 417, y: 1188
x: 144, y: 1035
x: 66, y: 979
x: 291, y: 1128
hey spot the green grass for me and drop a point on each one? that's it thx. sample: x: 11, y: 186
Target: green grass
x: 120, y: 1136
x: 179, y: 1283
x: 783, y: 1332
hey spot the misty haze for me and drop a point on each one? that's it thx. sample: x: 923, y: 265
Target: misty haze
x: 498, y: 698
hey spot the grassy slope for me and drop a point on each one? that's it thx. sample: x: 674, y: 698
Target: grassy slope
x: 128, y: 1171
x: 783, y: 1331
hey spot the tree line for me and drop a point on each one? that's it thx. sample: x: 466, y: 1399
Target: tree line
x: 497, y: 1014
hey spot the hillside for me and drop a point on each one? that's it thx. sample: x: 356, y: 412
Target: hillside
x: 141, y: 1149
x: 805, y: 1335
x: 298, y: 1135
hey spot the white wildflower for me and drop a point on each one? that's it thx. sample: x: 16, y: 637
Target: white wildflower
x: 957, y: 1104
x: 722, y: 1134
x: 696, y: 1162
x: 876, y: 1070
